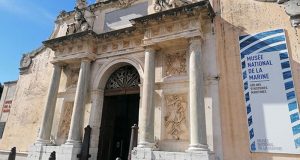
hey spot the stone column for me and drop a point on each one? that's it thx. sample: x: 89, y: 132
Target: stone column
x: 46, y: 126
x: 146, y: 120
x: 76, y: 126
x: 198, y: 139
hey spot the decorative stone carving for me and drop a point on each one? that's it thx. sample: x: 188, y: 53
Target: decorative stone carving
x: 119, y: 3
x: 121, y: 46
x: 65, y: 121
x: 175, y: 118
x: 72, y: 77
x: 81, y: 4
x: 161, y: 5
x: 124, y: 77
x: 26, y: 61
x: 80, y: 23
x: 126, y: 44
x: 187, y: 27
x: 292, y: 8
x: 125, y: 3
x: 176, y: 63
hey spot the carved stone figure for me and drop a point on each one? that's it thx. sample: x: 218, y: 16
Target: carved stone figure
x: 175, y: 119
x: 292, y: 8
x: 81, y: 4
x: 160, y: 5
x: 80, y: 23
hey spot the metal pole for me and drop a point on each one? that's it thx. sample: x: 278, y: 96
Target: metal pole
x: 133, y: 139
x: 12, y: 154
x: 52, y: 156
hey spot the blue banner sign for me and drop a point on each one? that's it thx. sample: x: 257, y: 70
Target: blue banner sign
x: 270, y: 98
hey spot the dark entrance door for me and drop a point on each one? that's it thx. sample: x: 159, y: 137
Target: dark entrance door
x: 120, y: 112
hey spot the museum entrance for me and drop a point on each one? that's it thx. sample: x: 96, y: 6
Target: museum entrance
x: 120, y: 112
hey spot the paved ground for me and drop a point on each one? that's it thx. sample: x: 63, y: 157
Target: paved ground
x: 4, y: 156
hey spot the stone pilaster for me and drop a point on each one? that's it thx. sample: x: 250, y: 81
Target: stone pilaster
x: 46, y: 126
x: 95, y: 120
x: 75, y: 132
x: 198, y: 138
x: 146, y: 121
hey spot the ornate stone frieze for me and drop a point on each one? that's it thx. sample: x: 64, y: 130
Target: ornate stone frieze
x: 124, y: 77
x: 189, y: 27
x: 125, y: 45
x: 175, y: 63
x: 161, y: 5
x: 175, y: 117
x: 292, y: 8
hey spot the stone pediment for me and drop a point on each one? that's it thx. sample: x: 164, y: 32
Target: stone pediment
x: 181, y: 22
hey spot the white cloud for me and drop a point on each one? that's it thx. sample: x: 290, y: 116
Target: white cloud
x: 26, y: 10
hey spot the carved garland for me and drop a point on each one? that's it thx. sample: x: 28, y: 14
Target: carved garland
x: 124, y: 77
x: 176, y: 64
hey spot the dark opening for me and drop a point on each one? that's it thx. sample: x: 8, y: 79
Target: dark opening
x: 120, y: 112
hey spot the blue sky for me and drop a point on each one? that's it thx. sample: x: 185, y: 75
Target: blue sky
x: 24, y: 25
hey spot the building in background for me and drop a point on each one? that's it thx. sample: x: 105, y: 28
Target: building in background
x: 1, y: 89
x: 9, y: 89
x: 203, y: 80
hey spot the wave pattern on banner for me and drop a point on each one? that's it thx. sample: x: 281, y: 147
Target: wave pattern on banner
x: 266, y: 42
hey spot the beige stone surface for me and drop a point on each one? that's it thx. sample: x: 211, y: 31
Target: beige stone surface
x: 25, y: 117
x: 7, y: 97
x: 234, y: 18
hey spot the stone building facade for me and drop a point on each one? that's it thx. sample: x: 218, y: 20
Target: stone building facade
x: 172, y: 67
x: 6, y: 100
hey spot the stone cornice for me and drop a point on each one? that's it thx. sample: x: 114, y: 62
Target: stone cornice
x: 90, y: 34
x: 10, y: 82
x: 50, y: 42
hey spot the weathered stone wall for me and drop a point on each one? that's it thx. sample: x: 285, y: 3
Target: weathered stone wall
x: 27, y: 109
x: 6, y: 99
x: 234, y: 18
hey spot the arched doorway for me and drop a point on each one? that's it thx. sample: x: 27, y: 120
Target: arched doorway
x: 120, y: 112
